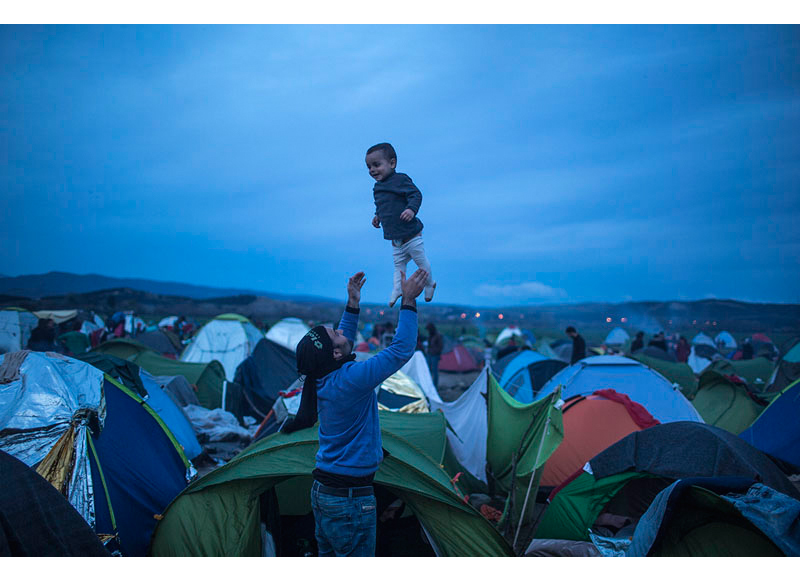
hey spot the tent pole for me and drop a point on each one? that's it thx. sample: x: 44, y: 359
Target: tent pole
x: 530, y: 483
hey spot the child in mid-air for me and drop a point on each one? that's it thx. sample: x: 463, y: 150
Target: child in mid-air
x: 397, y: 202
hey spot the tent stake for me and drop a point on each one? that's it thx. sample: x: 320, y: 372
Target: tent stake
x: 530, y: 483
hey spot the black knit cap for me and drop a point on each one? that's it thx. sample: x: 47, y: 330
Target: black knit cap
x: 314, y: 353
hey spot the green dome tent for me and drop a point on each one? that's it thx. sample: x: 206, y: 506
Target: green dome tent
x: 725, y: 402
x: 220, y: 514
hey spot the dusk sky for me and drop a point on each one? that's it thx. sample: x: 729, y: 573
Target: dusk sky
x: 558, y: 164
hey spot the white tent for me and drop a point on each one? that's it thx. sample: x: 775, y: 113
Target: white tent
x: 288, y: 332
x: 725, y: 340
x: 696, y: 362
x: 228, y: 338
x: 618, y: 336
x: 704, y: 339
x: 507, y: 333
x: 15, y: 329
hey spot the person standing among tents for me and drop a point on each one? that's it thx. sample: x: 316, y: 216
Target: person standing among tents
x: 343, y: 395
x: 682, y: 350
x: 659, y: 341
x: 43, y: 337
x: 435, y: 347
x: 578, y: 345
x: 638, y: 342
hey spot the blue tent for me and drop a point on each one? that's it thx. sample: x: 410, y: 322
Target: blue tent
x: 141, y: 468
x: 776, y: 430
x: 663, y: 400
x: 525, y: 373
x: 172, y: 415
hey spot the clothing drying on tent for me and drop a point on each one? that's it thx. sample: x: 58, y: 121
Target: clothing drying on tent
x: 288, y: 332
x: 36, y: 520
x: 96, y: 440
x: 15, y: 329
x: 619, y: 484
x: 228, y: 338
x: 776, y: 431
x: 522, y: 374
x: 269, y: 483
x: 458, y: 360
x: 624, y: 375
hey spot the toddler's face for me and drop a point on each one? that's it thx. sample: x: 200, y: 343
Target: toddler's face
x: 379, y: 167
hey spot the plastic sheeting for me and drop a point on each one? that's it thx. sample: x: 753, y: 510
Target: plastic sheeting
x: 467, y: 416
x: 417, y: 369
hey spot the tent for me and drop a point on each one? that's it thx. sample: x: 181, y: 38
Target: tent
x: 259, y: 502
x: 592, y: 423
x: 507, y: 333
x: 702, y: 338
x: 458, y: 360
x: 287, y: 332
x: 725, y: 340
x: 661, y: 398
x: 213, y: 391
x: 271, y: 368
x: 228, y: 338
x: 787, y: 370
x: 725, y: 401
x: 755, y: 372
x: 717, y: 517
x: 36, y: 520
x: 96, y: 440
x: 700, y: 356
x: 675, y: 372
x: 618, y: 485
x: 154, y: 392
x: 163, y: 341
x: 16, y: 325
x: 417, y: 370
x: 617, y: 337
x: 523, y: 373
x: 776, y: 430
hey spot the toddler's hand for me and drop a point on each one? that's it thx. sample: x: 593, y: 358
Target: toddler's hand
x: 376, y: 223
x: 407, y: 215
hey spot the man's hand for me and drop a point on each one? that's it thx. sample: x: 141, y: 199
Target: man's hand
x: 376, y: 223
x: 354, y: 285
x: 407, y: 215
x: 413, y: 287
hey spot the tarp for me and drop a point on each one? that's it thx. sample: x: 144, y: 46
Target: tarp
x: 219, y: 514
x: 58, y: 316
x: 643, y: 385
x: 227, y: 338
x: 417, y: 369
x: 15, y: 329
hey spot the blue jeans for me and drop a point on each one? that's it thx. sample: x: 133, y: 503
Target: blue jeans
x: 344, y: 526
x: 433, y: 365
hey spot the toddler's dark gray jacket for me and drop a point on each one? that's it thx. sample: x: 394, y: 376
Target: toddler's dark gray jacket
x: 392, y: 196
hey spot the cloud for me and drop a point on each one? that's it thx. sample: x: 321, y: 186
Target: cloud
x: 535, y: 290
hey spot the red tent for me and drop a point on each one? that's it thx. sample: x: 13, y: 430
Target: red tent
x: 458, y: 360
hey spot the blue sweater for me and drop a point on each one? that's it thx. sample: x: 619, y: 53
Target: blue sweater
x: 392, y: 196
x: 347, y: 402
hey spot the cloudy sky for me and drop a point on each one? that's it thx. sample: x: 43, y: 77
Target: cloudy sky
x: 557, y: 163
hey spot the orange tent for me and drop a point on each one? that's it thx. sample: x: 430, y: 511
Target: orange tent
x: 591, y: 424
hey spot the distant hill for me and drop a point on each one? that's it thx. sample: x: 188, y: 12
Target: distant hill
x: 61, y: 283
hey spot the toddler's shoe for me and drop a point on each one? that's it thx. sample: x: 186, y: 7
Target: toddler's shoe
x: 429, y: 292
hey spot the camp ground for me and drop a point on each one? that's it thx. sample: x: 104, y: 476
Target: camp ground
x: 97, y: 441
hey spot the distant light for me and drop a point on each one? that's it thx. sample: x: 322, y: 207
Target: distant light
x: 500, y: 316
x: 381, y: 313
x: 477, y: 315
x: 670, y: 322
x: 608, y: 319
x: 694, y: 322
x: 714, y: 323
x: 463, y: 315
x: 624, y: 320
